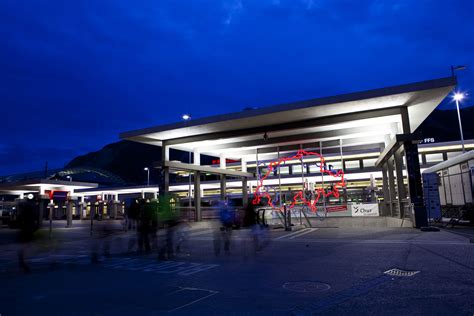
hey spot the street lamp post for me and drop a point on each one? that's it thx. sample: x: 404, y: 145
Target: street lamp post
x: 187, y: 117
x: 69, y: 177
x: 458, y: 97
x: 148, y: 176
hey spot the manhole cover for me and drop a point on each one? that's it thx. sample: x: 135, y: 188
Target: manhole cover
x: 306, y: 286
x: 400, y: 273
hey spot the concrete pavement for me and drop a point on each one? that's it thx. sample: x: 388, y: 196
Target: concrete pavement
x: 330, y: 271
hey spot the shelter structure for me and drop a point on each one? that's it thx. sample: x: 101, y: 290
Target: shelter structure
x: 383, y: 121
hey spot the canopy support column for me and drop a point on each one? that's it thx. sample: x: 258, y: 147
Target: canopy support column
x: 197, y: 195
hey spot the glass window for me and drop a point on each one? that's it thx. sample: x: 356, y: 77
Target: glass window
x: 297, y: 169
x: 453, y: 154
x: 335, y: 165
x: 369, y: 162
x: 420, y: 158
x: 434, y: 157
x: 352, y: 164
x: 284, y: 170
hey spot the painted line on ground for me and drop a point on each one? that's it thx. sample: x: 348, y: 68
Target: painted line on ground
x: 304, y: 233
x: 168, y: 267
x: 376, y: 242
x: 292, y: 234
x: 211, y: 293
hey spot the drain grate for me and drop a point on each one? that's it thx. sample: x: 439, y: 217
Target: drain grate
x: 400, y: 273
x: 306, y: 286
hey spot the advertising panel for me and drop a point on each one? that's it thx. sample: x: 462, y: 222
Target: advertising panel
x: 365, y: 209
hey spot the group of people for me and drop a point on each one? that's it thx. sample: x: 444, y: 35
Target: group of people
x: 229, y: 219
x: 146, y: 220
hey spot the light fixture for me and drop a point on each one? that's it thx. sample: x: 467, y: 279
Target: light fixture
x: 148, y: 176
x: 458, y: 96
x: 186, y: 117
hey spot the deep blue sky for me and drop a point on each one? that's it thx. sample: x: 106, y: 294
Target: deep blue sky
x: 74, y: 74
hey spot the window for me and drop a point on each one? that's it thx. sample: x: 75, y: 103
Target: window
x: 297, y: 169
x: 369, y: 162
x: 284, y: 170
x: 434, y: 157
x: 352, y: 164
x: 336, y: 165
x: 453, y: 154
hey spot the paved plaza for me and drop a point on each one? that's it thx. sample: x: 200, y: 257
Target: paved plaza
x: 330, y: 271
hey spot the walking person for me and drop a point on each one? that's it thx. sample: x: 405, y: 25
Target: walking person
x: 29, y: 224
x: 168, y: 217
x: 144, y: 226
x: 132, y: 215
x: 223, y: 236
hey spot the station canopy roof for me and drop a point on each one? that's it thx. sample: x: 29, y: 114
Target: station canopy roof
x: 360, y: 120
x: 38, y: 185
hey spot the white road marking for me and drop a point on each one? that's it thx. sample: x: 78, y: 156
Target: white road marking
x: 375, y: 241
x: 291, y: 234
x: 304, y: 233
x: 211, y: 293
x: 168, y: 267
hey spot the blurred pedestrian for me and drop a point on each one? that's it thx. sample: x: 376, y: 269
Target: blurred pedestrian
x: 144, y: 226
x: 29, y: 223
x: 132, y: 217
x: 168, y: 217
x: 101, y: 239
x: 223, y: 236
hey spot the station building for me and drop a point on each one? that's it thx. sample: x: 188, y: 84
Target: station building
x: 369, y: 137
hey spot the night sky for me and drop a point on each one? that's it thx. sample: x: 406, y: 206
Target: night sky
x: 74, y: 74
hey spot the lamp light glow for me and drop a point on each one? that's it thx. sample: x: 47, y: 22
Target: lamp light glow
x: 458, y: 96
x: 186, y: 117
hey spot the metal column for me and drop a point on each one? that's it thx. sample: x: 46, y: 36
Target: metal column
x: 245, y: 196
x: 69, y: 213
x: 415, y: 188
x: 223, y: 187
x: 400, y: 185
x: 391, y: 186
x: 197, y: 195
x: 387, y: 209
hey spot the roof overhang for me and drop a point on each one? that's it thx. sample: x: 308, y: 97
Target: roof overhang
x: 117, y: 190
x: 39, y: 185
x: 361, y: 117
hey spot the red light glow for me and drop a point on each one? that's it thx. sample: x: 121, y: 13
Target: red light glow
x: 299, y: 196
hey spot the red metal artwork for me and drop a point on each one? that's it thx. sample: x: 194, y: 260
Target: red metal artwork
x: 300, y: 196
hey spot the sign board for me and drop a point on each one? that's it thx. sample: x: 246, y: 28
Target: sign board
x: 365, y: 209
x: 58, y: 195
x: 336, y: 208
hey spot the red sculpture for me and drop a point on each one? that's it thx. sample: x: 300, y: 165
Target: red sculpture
x: 300, y: 194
